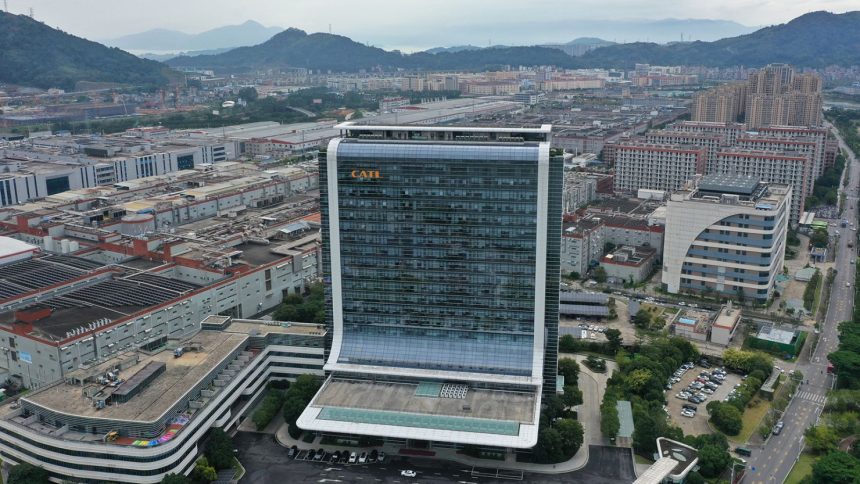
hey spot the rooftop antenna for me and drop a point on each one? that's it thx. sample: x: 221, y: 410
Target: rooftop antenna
x: 31, y: 11
x: 6, y: 6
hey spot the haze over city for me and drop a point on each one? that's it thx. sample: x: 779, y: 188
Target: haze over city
x: 412, y: 26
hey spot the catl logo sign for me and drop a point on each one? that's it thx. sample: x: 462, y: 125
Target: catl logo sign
x: 365, y: 174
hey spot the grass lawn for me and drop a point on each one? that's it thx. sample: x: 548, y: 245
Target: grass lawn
x: 801, y: 469
x: 642, y: 460
x: 752, y: 419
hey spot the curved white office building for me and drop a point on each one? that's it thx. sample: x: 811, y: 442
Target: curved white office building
x: 726, y: 237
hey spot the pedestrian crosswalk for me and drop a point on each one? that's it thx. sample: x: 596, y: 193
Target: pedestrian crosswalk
x: 812, y: 397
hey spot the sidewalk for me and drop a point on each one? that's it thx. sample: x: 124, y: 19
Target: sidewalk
x: 578, y: 461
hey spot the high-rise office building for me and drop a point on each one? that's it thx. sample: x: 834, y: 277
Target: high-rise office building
x: 726, y: 236
x: 441, y: 256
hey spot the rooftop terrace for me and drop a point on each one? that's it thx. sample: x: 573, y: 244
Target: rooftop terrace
x: 181, y: 374
x: 405, y: 398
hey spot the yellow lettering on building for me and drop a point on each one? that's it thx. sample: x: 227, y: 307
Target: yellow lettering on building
x: 366, y: 174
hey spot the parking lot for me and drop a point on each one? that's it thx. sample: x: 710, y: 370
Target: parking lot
x: 697, y: 424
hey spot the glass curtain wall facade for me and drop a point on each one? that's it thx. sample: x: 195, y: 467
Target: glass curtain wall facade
x: 440, y: 252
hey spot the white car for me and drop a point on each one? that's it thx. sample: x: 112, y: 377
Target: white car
x: 408, y: 473
x: 688, y: 413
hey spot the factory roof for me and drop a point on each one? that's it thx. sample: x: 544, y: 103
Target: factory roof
x: 156, y: 398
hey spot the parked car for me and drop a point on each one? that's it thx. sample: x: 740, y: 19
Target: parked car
x: 381, y: 457
x: 778, y: 427
x: 688, y: 413
x: 408, y: 473
x: 373, y: 456
x: 319, y: 455
x: 335, y: 457
x: 362, y: 458
x: 353, y: 457
x: 690, y: 407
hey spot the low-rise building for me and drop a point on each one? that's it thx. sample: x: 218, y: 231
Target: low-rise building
x: 692, y: 325
x: 137, y: 416
x: 631, y: 264
x: 725, y: 325
x: 581, y: 245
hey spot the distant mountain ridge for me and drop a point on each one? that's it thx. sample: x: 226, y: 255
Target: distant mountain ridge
x: 816, y: 39
x: 296, y: 48
x: 229, y: 36
x: 33, y: 54
x: 812, y: 40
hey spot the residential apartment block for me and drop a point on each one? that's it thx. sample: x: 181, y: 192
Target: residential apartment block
x: 656, y: 166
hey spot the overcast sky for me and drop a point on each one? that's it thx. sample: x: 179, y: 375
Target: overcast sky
x: 407, y: 24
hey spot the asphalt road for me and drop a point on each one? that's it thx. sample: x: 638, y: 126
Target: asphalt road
x: 266, y: 462
x: 773, y: 462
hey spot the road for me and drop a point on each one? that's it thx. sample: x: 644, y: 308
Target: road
x: 266, y: 462
x: 773, y: 462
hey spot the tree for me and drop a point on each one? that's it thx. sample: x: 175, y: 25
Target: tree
x: 549, y: 446
x: 638, y: 379
x: 819, y: 238
x: 713, y: 460
x: 613, y: 337
x: 642, y: 319
x: 726, y: 417
x: 176, y: 479
x: 553, y: 408
x: 695, y: 478
x: 599, y: 274
x: 609, y: 422
x: 219, y: 449
x: 248, y: 94
x: 836, y: 468
x: 821, y: 438
x: 572, y: 396
x: 25, y: 473
x: 608, y: 247
x: 203, y: 472
x: 569, y: 369
x: 574, y: 275
x: 571, y: 434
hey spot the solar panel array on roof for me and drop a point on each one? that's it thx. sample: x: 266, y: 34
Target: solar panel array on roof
x: 583, y: 297
x: 583, y: 310
x: 729, y: 183
x: 121, y: 292
x: 71, y: 261
x: 27, y: 275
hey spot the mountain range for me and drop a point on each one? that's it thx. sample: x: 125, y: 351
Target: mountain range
x: 813, y: 40
x: 33, y: 54
x: 230, y: 36
x: 816, y: 39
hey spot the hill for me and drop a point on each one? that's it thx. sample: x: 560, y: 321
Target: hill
x: 33, y: 54
x: 815, y: 39
x: 296, y: 48
x: 229, y: 36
